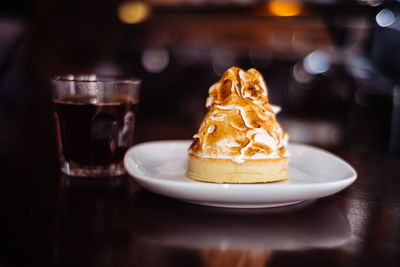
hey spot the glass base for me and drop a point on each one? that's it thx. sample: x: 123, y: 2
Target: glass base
x: 74, y: 169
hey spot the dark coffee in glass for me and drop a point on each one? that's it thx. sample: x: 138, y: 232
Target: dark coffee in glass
x: 95, y: 128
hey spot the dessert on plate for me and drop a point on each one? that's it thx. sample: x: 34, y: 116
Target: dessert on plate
x: 239, y: 139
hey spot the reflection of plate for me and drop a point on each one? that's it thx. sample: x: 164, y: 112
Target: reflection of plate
x: 319, y: 224
x: 161, y: 166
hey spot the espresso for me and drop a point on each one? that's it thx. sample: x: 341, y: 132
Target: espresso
x: 93, y: 132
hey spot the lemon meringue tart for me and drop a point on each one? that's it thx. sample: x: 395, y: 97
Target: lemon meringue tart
x: 239, y: 139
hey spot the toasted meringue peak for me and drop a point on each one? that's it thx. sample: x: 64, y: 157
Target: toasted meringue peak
x: 240, y: 123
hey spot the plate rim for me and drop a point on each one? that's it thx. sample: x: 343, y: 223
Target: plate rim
x: 137, y: 175
x: 145, y: 180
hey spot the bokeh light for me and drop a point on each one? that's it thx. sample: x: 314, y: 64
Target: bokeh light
x: 316, y: 62
x: 372, y: 2
x: 155, y: 59
x: 284, y: 8
x: 131, y: 12
x: 300, y: 74
x: 385, y: 18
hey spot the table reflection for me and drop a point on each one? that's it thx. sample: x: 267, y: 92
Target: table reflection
x: 108, y: 222
x: 93, y: 220
x: 319, y: 224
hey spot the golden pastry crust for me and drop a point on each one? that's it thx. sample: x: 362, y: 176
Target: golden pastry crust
x: 226, y: 171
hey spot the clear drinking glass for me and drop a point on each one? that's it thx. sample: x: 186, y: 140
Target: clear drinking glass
x: 95, y: 120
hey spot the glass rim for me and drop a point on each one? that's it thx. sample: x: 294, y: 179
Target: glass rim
x: 99, y: 78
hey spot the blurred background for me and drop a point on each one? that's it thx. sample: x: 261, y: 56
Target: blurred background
x: 333, y: 65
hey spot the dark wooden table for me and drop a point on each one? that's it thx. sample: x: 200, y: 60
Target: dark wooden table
x: 55, y: 220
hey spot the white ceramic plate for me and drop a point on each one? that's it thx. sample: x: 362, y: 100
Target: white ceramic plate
x: 160, y: 167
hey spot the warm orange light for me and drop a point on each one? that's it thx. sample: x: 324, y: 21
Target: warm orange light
x: 132, y: 12
x: 285, y: 8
